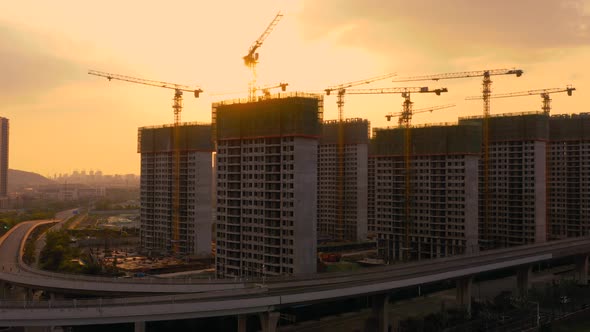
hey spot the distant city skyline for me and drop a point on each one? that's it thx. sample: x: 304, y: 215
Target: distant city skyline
x: 63, y: 119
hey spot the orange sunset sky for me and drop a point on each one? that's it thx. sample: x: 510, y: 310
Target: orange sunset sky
x: 63, y: 119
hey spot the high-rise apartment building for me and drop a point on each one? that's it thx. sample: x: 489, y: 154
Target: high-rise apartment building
x: 157, y: 189
x: 342, y: 206
x: 267, y: 165
x: 3, y: 156
x: 517, y: 176
x: 569, y: 176
x: 442, y: 195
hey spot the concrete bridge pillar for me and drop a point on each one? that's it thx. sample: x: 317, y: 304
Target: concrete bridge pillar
x: 582, y: 269
x: 242, y: 323
x: 523, y: 279
x: 269, y: 320
x: 464, y: 293
x: 379, y: 320
x: 139, y: 326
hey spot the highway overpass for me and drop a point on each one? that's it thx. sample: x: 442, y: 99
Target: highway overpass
x: 195, y: 299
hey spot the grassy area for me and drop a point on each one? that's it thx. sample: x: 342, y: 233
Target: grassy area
x: 29, y: 251
x: 59, y: 255
x: 11, y: 218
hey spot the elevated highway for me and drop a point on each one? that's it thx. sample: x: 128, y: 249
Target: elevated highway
x: 14, y: 271
x: 195, y: 299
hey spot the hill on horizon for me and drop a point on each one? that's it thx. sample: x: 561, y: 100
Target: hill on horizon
x: 18, y: 180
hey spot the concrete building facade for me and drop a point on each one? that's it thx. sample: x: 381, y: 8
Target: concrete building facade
x: 157, y: 146
x: 351, y: 225
x: 267, y: 162
x: 517, y: 199
x: 443, y: 191
x: 569, y: 176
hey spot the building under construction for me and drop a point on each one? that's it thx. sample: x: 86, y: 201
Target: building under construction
x: 266, y: 214
x: 3, y: 157
x: 569, y: 176
x: 343, y: 215
x: 516, y: 182
x: 157, y: 146
x: 443, y: 194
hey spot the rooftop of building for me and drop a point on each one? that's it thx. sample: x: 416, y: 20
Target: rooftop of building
x: 355, y: 131
x: 192, y: 136
x: 428, y: 140
x: 283, y: 114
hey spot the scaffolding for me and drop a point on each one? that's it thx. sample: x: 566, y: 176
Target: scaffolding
x: 192, y: 136
x: 356, y: 131
x: 428, y: 140
x: 293, y: 113
x: 570, y: 127
x: 514, y: 126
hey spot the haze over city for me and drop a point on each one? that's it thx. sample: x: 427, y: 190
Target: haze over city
x: 63, y: 119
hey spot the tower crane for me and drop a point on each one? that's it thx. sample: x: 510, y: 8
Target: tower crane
x: 420, y: 110
x: 544, y: 93
x: 266, y: 89
x: 178, y: 88
x: 486, y: 92
x: 251, y: 59
x: 405, y: 122
x: 341, y: 89
x: 177, y: 108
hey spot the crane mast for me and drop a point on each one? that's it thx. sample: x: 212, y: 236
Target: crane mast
x: 405, y: 118
x: 486, y: 93
x: 177, y: 109
x: 251, y: 59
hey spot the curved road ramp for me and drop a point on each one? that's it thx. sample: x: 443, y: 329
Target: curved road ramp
x: 144, y: 300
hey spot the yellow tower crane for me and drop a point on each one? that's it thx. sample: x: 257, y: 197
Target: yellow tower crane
x: 486, y: 92
x: 544, y: 93
x: 266, y: 89
x: 405, y: 122
x: 251, y: 59
x: 401, y: 119
x: 177, y: 108
x: 341, y: 89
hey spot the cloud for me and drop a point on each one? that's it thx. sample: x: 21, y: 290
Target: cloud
x: 28, y: 66
x: 453, y: 27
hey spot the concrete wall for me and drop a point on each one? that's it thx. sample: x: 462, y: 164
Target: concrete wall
x: 203, y: 183
x: 305, y: 205
x: 540, y: 191
x: 471, y: 203
x: 362, y: 173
